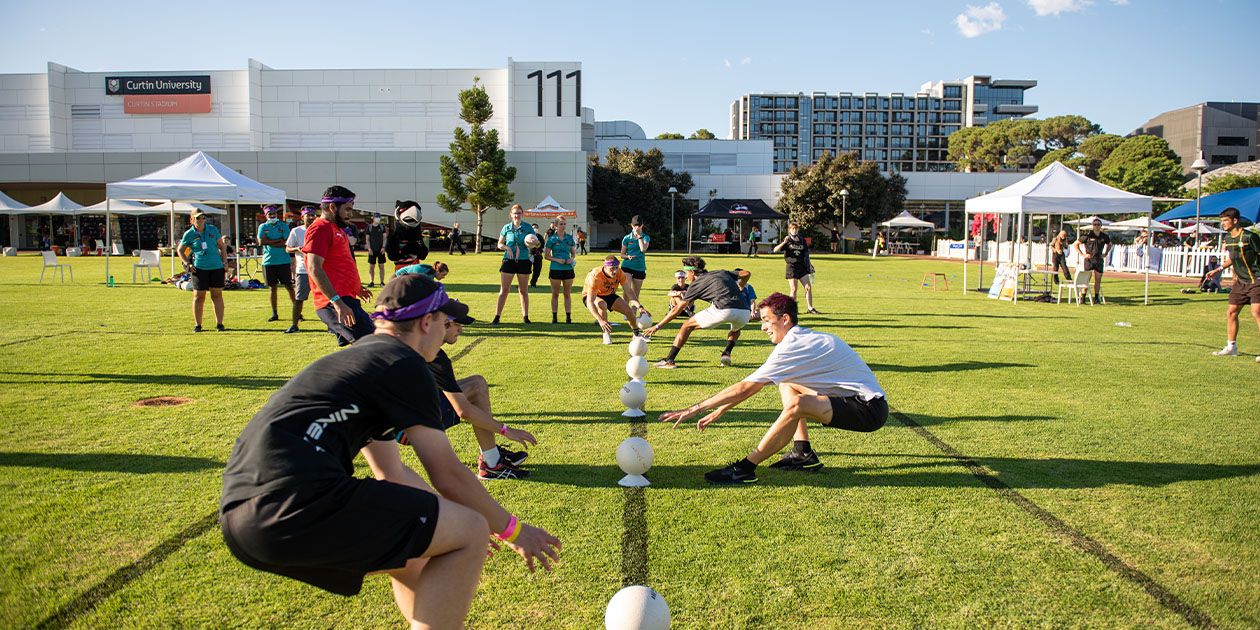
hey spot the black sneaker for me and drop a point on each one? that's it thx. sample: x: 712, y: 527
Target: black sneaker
x: 526, y: 320
x: 371, y: 284
x: 799, y: 461
x: 495, y: 320
x: 568, y: 318
x: 273, y: 318
x: 219, y: 327
x: 555, y: 319
x: 197, y: 328
x: 731, y: 475
x: 291, y: 330
x: 513, y: 458
x: 503, y: 471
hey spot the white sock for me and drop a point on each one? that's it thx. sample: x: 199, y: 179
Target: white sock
x: 491, y: 457
x: 1231, y: 344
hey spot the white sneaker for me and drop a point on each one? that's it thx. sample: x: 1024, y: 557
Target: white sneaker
x: 607, y: 339
x: 1228, y: 351
x: 1258, y: 358
x: 725, y: 360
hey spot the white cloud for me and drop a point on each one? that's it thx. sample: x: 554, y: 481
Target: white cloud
x: 726, y: 62
x: 1120, y: 3
x: 977, y: 21
x: 1055, y: 7
x: 745, y: 61
x: 925, y: 31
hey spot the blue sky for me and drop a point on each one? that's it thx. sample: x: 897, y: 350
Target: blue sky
x: 676, y: 66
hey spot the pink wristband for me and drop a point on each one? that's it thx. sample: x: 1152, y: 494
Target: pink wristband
x: 503, y: 429
x: 509, y: 532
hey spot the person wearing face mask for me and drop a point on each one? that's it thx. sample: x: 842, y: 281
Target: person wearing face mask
x: 559, y: 250
x: 301, y: 281
x: 799, y: 268
x: 277, y: 264
x: 820, y: 379
x: 376, y: 233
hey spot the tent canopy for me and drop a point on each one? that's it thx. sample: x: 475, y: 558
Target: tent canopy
x: 9, y: 204
x: 61, y: 204
x: 1200, y: 228
x: 134, y: 208
x: 549, y: 208
x: 1088, y: 221
x: 754, y: 209
x: 1058, y: 189
x: 1247, y: 200
x: 197, y: 177
x: 1140, y: 223
x: 905, y: 219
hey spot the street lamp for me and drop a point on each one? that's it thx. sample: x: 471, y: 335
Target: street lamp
x: 844, y: 221
x: 1199, y: 166
x: 673, y: 193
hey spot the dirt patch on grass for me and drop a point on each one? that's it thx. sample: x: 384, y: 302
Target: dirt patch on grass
x: 162, y: 401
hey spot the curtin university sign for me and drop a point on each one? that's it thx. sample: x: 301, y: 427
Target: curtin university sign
x: 182, y: 84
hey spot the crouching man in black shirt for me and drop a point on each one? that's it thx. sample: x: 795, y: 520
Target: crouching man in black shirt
x: 292, y: 506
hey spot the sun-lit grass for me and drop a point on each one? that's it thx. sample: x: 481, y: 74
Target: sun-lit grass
x: 1135, y: 436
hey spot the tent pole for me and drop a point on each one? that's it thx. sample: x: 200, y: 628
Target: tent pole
x: 171, y: 237
x: 690, y: 220
x: 236, y: 207
x: 966, y: 251
x: 1146, y: 260
x: 108, y: 245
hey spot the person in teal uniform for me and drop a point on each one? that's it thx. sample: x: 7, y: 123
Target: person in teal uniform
x: 634, y: 248
x: 516, y: 263
x: 560, y: 250
x: 203, y: 249
x: 277, y: 264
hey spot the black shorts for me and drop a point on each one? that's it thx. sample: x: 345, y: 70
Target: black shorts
x: 450, y: 417
x: 376, y: 258
x: 206, y: 279
x: 635, y: 273
x: 1094, y: 264
x: 798, y: 272
x: 561, y: 274
x: 609, y: 299
x: 1244, y: 293
x: 278, y: 274
x: 851, y: 413
x: 331, y: 535
x: 362, y: 327
x: 516, y: 267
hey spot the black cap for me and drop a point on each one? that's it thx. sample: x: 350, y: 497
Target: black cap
x: 407, y: 290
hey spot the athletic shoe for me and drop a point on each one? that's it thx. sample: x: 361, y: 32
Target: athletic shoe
x: 273, y: 318
x: 495, y: 320
x: 513, y: 458
x: 607, y: 339
x: 731, y: 475
x: 371, y: 284
x: 197, y: 328
x: 219, y: 327
x: 814, y: 311
x: 799, y: 461
x: 568, y: 318
x: 526, y: 320
x: 1227, y: 351
x: 725, y: 360
x: 503, y: 471
x: 555, y: 319
x: 666, y: 364
x: 291, y: 330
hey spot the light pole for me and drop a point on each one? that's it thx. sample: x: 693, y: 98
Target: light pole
x: 844, y: 220
x: 673, y: 193
x: 1199, y: 166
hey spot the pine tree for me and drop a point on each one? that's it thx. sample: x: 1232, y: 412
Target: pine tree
x: 476, y: 171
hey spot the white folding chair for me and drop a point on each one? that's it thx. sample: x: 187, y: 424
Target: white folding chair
x: 100, y: 247
x: 50, y: 261
x: 1078, y: 287
x: 149, y: 259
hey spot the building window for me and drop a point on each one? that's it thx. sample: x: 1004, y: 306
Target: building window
x: 1232, y: 141
x: 1224, y: 159
x: 953, y: 91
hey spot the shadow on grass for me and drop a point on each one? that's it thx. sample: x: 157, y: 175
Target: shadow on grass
x: 960, y: 366
x: 941, y: 472
x: 240, y: 382
x: 109, y: 462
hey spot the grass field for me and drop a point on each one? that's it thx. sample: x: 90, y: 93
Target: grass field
x: 1131, y: 445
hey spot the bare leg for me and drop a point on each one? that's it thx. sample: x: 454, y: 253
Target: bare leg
x: 799, y: 404
x: 274, y: 290
x: 522, y: 287
x: 1097, y: 285
x: 199, y: 306
x: 297, y: 311
x: 568, y: 297
x: 792, y: 289
x: 216, y: 296
x: 637, y: 283
x: 505, y: 281
x: 1255, y: 313
x: 555, y: 295
x: 1231, y: 322
x: 438, y: 592
x: 478, y: 393
x: 622, y: 307
x: 809, y: 294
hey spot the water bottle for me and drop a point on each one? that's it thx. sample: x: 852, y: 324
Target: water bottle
x: 111, y: 282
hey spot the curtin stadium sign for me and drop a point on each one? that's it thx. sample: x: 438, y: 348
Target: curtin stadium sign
x: 183, y: 84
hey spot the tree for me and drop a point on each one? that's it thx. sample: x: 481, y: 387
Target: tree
x: 1059, y: 132
x: 669, y: 136
x: 1096, y: 149
x: 965, y: 150
x: 1231, y: 181
x: 702, y: 134
x: 1069, y: 156
x: 1021, y: 142
x: 476, y: 171
x: 811, y: 194
x: 1143, y: 164
x: 631, y: 182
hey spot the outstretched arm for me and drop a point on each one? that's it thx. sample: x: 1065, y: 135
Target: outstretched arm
x: 721, y: 402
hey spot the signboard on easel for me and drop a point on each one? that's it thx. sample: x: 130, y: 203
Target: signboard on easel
x: 1004, y: 283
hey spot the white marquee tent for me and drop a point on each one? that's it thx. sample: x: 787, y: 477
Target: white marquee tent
x: 197, y: 177
x: 904, y: 220
x: 1054, y: 190
x: 61, y: 204
x: 9, y: 204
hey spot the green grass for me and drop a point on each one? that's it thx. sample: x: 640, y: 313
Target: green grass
x: 1136, y: 437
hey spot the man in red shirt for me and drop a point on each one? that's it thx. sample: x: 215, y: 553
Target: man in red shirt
x: 336, y: 288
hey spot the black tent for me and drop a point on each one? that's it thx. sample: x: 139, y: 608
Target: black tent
x: 752, y: 209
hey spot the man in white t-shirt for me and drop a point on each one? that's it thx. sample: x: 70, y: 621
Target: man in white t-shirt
x: 820, y: 378
x: 301, y: 282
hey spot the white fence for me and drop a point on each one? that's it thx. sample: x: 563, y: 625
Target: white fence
x: 1170, y: 261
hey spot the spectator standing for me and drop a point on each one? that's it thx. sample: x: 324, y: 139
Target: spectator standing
x: 301, y: 281
x: 799, y: 267
x: 581, y: 241
x: 273, y: 234
x: 337, y: 289
x: 203, y: 250
x: 376, y: 236
x: 536, y: 256
x: 634, y: 248
x: 1243, y: 248
x: 559, y: 250
x: 516, y: 262
x: 754, y: 239
x: 457, y: 240
x: 1094, y: 246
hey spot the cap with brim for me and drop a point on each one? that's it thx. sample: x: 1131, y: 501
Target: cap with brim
x: 198, y: 214
x: 415, y: 295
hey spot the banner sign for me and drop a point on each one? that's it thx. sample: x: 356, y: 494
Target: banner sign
x: 181, y: 84
x: 167, y: 104
x: 740, y: 208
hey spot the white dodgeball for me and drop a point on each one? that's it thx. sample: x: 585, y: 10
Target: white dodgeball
x: 636, y: 367
x: 638, y: 347
x: 637, y: 607
x: 633, y: 396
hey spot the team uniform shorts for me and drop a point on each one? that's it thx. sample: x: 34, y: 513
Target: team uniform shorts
x: 331, y: 535
x: 851, y: 413
x: 376, y: 258
x: 609, y: 299
x: 635, y: 273
x: 302, y: 289
x: 1244, y: 293
x: 1094, y: 264
x: 277, y: 275
x: 714, y: 317
x: 206, y: 279
x: 516, y: 267
x: 803, y: 273
x: 561, y: 274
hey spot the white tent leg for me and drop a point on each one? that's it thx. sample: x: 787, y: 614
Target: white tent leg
x: 966, y: 251
x: 171, y: 239
x: 108, y: 245
x: 1146, y: 261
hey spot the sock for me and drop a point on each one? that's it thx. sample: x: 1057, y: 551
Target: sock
x: 745, y: 466
x: 730, y: 345
x: 1231, y: 344
x: 491, y: 457
x: 673, y: 353
x: 801, y: 447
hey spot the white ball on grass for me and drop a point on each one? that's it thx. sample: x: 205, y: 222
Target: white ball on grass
x: 645, y: 320
x: 638, y: 347
x: 633, y: 395
x: 637, y: 608
x: 636, y: 367
x: 634, y: 455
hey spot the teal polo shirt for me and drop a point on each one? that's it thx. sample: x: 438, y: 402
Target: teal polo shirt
x: 561, y: 248
x: 638, y: 263
x: 278, y: 230
x: 514, y: 239
x: 204, y: 246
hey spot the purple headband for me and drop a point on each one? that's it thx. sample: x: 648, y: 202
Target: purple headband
x: 429, y: 304
x: 337, y: 200
x: 611, y: 263
x: 309, y: 210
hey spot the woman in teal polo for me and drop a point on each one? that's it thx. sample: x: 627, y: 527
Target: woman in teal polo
x: 203, y: 250
x: 516, y: 262
x: 634, y: 248
x: 559, y: 250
